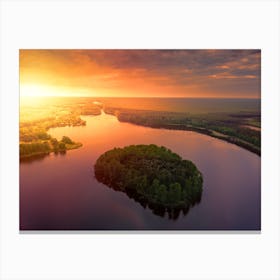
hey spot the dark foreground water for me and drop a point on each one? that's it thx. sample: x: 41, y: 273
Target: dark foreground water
x: 60, y: 192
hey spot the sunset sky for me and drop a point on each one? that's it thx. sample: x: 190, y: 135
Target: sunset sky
x: 141, y: 73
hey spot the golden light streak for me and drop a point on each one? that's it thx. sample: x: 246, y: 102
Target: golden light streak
x: 35, y: 90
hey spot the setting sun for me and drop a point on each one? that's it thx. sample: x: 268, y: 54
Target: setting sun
x: 37, y: 90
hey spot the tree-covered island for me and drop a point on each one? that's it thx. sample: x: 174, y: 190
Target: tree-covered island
x: 153, y: 176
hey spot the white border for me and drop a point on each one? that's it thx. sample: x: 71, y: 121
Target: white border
x: 146, y: 24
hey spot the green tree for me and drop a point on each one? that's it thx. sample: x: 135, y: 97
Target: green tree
x: 61, y: 146
x: 54, y: 141
x: 66, y: 140
x: 154, y: 187
x: 174, y: 192
x: 162, y: 193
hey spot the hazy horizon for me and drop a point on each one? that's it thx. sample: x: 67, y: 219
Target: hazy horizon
x: 163, y: 97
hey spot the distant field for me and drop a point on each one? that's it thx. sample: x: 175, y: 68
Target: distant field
x: 187, y: 105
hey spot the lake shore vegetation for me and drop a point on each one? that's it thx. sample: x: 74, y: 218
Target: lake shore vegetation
x: 241, y: 129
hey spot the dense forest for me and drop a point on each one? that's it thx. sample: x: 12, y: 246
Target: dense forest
x: 151, y: 174
x: 231, y: 127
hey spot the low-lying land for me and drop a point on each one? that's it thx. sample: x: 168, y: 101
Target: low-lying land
x: 239, y: 124
x: 231, y: 127
x: 36, y: 120
x: 47, y: 146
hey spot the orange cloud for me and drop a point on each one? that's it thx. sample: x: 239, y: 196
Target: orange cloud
x: 194, y: 73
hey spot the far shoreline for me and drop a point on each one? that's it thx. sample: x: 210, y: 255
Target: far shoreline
x: 214, y: 134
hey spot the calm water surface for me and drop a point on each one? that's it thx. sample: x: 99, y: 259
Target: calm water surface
x: 60, y: 192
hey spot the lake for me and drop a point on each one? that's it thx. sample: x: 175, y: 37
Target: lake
x: 60, y: 192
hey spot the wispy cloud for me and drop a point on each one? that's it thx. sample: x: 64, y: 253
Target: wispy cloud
x: 147, y: 72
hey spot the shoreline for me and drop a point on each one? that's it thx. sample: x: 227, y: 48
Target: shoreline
x: 242, y: 144
x: 238, y: 142
x: 39, y: 154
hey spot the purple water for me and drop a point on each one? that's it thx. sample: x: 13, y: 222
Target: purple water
x: 60, y: 192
